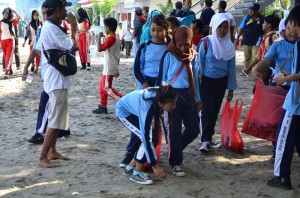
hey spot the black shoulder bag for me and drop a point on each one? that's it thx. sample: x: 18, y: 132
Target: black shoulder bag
x: 63, y: 61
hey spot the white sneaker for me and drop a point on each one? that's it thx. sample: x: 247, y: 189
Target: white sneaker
x: 204, y: 147
x: 177, y: 171
x: 215, y: 144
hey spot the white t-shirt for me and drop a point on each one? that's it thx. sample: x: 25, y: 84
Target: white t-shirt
x: 52, y: 37
x: 128, y: 35
x: 229, y: 15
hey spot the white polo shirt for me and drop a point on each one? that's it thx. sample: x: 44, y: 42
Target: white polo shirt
x: 52, y: 37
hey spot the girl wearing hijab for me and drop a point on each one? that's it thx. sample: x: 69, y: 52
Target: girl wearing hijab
x: 31, y: 31
x: 84, y: 24
x: 7, y: 37
x: 216, y: 58
x: 178, y: 69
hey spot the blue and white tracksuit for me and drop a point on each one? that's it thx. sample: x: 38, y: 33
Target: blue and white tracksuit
x: 137, y: 115
x: 185, y: 111
x: 216, y: 76
x: 288, y: 132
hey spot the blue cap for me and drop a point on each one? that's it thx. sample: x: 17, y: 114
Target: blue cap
x: 138, y: 10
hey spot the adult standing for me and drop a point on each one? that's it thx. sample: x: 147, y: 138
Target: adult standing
x: 127, y: 37
x: 251, y: 28
x: 84, y: 24
x: 137, y: 25
x: 56, y: 85
x: 119, y: 33
x: 186, y: 15
x: 206, y: 16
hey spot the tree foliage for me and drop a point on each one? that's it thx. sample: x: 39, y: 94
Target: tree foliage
x: 104, y: 8
x: 165, y: 8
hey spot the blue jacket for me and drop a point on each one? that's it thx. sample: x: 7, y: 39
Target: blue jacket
x: 169, y: 66
x: 147, y: 60
x: 214, y: 68
x: 135, y: 104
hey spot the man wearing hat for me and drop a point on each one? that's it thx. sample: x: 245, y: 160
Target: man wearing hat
x: 56, y: 85
x: 251, y: 28
x: 137, y: 25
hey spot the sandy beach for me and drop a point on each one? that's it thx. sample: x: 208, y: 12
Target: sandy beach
x: 97, y: 145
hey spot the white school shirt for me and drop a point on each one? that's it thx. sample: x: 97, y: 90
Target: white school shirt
x: 128, y: 35
x: 4, y: 29
x: 52, y: 37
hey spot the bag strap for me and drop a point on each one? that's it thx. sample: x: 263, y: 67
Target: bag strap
x: 45, y: 53
x: 177, y: 74
x: 286, y: 61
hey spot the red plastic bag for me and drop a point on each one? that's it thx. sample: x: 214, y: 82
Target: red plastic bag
x: 264, y: 112
x: 230, y: 136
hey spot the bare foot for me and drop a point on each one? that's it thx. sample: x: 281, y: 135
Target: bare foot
x: 46, y: 163
x: 57, y: 156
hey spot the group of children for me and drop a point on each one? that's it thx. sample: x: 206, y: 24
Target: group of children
x: 180, y: 73
x: 199, y: 80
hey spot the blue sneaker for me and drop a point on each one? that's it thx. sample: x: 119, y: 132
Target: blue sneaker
x: 141, y: 179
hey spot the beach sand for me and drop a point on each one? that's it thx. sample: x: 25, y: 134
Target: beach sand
x: 97, y: 145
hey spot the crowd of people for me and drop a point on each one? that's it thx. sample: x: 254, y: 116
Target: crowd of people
x: 183, y: 67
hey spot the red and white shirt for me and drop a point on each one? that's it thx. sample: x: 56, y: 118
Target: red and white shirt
x: 4, y: 29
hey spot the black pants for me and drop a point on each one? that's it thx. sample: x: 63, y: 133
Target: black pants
x: 212, y: 94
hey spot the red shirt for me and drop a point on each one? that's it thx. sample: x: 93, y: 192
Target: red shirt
x: 197, y: 39
x: 109, y: 41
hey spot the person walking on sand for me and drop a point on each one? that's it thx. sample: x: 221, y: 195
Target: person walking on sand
x: 84, y: 24
x: 111, y: 49
x: 7, y: 37
x: 56, y: 85
x: 31, y: 32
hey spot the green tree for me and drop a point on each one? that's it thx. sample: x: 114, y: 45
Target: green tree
x: 105, y: 8
x: 165, y: 8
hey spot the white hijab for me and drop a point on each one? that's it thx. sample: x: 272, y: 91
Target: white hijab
x: 281, y: 28
x: 223, y: 48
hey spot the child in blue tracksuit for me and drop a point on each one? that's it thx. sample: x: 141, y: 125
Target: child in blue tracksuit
x: 146, y: 63
x: 146, y: 66
x: 216, y: 58
x: 288, y: 135
x: 178, y: 70
x: 137, y: 110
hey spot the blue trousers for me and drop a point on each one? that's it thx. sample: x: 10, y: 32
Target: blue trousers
x: 178, y: 140
x: 288, y: 137
x: 40, y: 119
x: 212, y: 94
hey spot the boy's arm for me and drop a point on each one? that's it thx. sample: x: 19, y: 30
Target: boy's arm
x: 31, y: 57
x: 109, y: 41
x: 281, y: 79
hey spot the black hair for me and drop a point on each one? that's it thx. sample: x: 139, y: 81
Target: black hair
x: 161, y: 20
x: 8, y: 21
x: 173, y: 21
x: 273, y: 20
x: 208, y: 3
x: 198, y: 24
x: 146, y: 8
x: 294, y: 15
x: 111, y: 23
x: 164, y: 95
x: 83, y: 15
x: 223, y: 5
x: 34, y: 23
x: 178, y: 5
